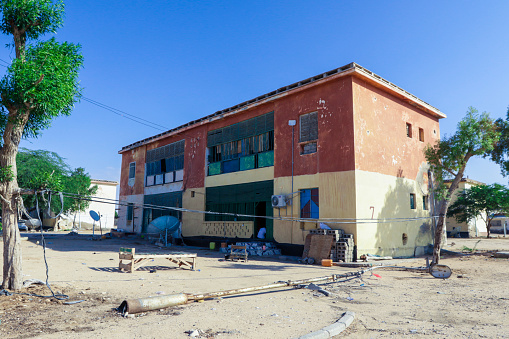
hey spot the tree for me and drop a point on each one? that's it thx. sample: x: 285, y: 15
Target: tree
x: 500, y: 153
x: 39, y: 85
x: 476, y: 135
x: 40, y: 169
x: 483, y: 201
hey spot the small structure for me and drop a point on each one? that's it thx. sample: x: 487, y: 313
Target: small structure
x: 135, y: 261
x: 105, y: 190
x: 475, y: 227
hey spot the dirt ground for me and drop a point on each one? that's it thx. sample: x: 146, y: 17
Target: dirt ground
x: 473, y: 303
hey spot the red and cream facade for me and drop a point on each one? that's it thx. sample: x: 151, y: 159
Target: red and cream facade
x: 364, y: 167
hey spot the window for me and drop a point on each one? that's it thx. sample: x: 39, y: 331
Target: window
x: 308, y: 133
x: 132, y: 173
x: 246, y: 145
x: 309, y: 203
x: 409, y: 130
x: 165, y: 164
x: 424, y: 202
x: 130, y: 211
x: 412, y: 201
x: 421, y: 134
x: 132, y: 170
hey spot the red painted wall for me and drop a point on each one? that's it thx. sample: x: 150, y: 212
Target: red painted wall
x: 137, y: 155
x: 381, y: 142
x: 333, y: 102
x: 343, y: 140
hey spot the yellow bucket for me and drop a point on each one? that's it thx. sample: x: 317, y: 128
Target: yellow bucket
x: 212, y: 245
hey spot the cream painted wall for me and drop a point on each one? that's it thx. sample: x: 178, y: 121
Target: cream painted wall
x: 475, y: 227
x: 165, y: 188
x: 192, y: 223
x: 241, y: 177
x: 106, y: 190
x: 336, y: 200
x: 135, y: 225
x: 382, y: 196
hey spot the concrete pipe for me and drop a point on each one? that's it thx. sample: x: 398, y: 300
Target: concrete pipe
x: 134, y: 306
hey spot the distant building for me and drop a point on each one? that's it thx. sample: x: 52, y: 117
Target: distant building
x: 475, y: 227
x: 344, y: 147
x: 105, y: 189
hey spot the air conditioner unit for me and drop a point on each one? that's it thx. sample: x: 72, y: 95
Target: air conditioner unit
x: 278, y: 201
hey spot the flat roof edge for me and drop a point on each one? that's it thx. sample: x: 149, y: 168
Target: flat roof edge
x: 341, y: 71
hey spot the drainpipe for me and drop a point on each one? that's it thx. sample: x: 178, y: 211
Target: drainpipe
x: 292, y: 123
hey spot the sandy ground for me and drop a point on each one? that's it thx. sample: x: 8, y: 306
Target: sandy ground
x: 473, y: 303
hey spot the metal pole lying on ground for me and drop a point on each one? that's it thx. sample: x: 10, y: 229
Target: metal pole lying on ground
x: 133, y: 306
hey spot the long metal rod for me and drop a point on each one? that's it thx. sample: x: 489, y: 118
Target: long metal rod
x: 154, y: 303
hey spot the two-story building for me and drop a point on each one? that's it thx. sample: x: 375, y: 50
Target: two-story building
x: 344, y: 148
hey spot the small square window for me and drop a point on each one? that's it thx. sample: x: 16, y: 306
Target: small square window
x: 412, y: 201
x: 425, y: 202
x: 409, y: 130
x: 308, y: 148
x: 421, y: 134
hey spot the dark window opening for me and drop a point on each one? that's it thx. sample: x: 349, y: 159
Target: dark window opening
x: 421, y: 134
x: 243, y: 146
x: 409, y: 130
x: 130, y: 211
x: 308, y: 127
x: 412, y: 201
x: 163, y: 162
x: 132, y: 170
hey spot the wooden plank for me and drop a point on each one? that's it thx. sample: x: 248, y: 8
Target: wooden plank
x: 320, y: 247
x: 307, y: 244
x: 125, y: 256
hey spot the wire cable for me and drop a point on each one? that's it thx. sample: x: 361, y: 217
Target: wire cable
x: 281, y: 218
x: 126, y: 115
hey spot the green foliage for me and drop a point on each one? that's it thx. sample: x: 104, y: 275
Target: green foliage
x: 6, y: 174
x: 480, y: 201
x: 78, y: 182
x: 476, y: 135
x: 500, y: 153
x: 43, y: 84
x: 34, y: 17
x: 40, y: 169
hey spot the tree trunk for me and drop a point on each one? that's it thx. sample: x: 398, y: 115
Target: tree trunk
x: 439, y: 232
x: 12, y: 268
x: 442, y: 212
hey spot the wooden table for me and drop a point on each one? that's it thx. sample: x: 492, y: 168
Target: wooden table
x: 135, y: 261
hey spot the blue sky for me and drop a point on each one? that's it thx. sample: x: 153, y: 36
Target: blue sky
x: 170, y: 62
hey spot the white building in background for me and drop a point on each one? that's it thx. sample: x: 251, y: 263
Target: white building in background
x: 108, y: 190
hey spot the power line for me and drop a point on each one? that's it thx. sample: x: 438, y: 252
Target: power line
x: 126, y: 115
x: 116, y: 111
x: 180, y: 209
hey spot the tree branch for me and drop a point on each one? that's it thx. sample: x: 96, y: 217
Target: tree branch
x: 7, y: 202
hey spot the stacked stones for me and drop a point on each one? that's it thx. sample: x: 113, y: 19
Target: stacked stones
x: 342, y: 248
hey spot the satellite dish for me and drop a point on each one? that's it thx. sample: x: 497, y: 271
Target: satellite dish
x: 161, y: 224
x: 95, y: 215
x: 440, y: 271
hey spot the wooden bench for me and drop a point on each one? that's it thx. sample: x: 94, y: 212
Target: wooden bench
x: 237, y: 252
x: 135, y: 261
